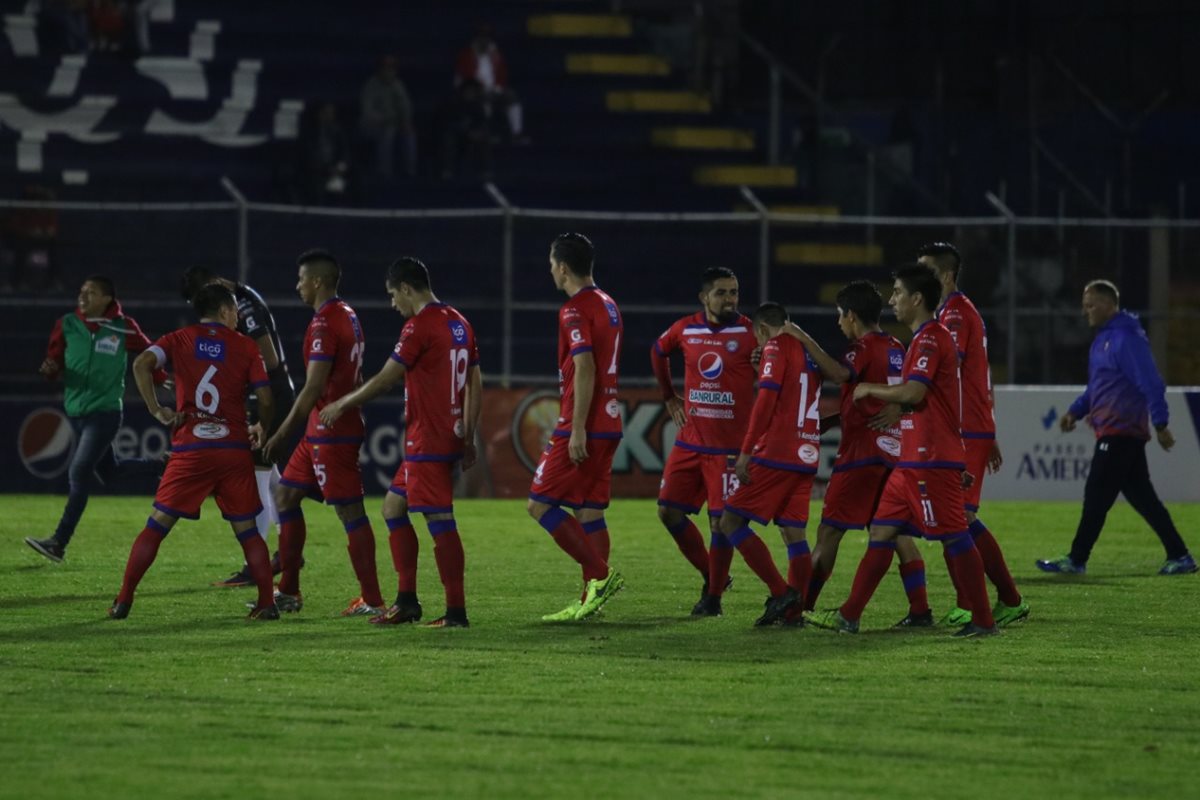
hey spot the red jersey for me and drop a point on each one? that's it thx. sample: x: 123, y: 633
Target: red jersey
x: 784, y: 430
x: 877, y: 357
x: 718, y: 380
x: 962, y: 319
x: 215, y: 368
x: 437, y: 348
x: 930, y: 434
x: 590, y: 322
x: 335, y: 335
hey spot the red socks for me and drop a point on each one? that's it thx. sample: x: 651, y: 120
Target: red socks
x: 569, y: 536
x: 691, y: 543
x: 720, y: 559
x: 141, y: 556
x: 292, y: 533
x: 800, y: 567
x: 994, y: 565
x: 451, y: 561
x: 871, y: 570
x: 758, y: 558
x: 258, y: 561
x: 968, y: 567
x: 402, y: 540
x: 360, y: 543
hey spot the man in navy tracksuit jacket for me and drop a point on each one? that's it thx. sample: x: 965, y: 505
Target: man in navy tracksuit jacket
x: 1124, y: 392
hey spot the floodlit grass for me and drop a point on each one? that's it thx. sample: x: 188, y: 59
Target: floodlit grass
x: 1094, y: 696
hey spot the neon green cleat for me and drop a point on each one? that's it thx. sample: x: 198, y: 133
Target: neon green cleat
x: 955, y: 618
x: 831, y: 619
x: 568, y: 614
x: 599, y: 592
x: 1005, y: 615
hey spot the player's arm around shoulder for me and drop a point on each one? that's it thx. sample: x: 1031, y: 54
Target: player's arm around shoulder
x: 831, y: 369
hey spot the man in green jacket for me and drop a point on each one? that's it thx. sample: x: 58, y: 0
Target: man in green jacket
x: 89, y: 349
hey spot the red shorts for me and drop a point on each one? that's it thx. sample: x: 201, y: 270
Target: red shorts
x: 326, y: 471
x: 427, y: 486
x: 851, y: 496
x: 558, y: 482
x: 192, y: 475
x: 925, y: 502
x: 977, y: 451
x: 773, y: 495
x: 692, y: 479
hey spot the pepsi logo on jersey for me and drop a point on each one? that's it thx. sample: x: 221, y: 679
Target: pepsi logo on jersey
x: 710, y: 365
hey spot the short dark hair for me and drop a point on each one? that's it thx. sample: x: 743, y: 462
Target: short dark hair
x: 1104, y: 288
x: 209, y: 299
x: 944, y: 255
x: 104, y: 282
x: 410, y: 270
x: 193, y: 280
x: 714, y: 274
x: 920, y: 278
x: 863, y: 299
x: 772, y: 315
x: 322, y: 263
x: 576, y: 251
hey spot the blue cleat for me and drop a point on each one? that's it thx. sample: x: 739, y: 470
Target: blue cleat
x: 1062, y: 565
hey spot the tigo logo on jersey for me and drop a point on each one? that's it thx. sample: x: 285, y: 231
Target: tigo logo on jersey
x: 896, y: 360
x: 710, y: 365
x: 46, y: 442
x: 210, y: 349
x: 458, y: 332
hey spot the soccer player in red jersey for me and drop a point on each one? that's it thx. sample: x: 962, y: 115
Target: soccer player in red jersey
x: 325, y: 463
x: 923, y: 494
x: 576, y: 468
x: 775, y: 466
x: 438, y: 361
x: 215, y: 367
x: 718, y: 379
x: 965, y: 324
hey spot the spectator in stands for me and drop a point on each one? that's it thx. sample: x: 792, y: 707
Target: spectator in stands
x: 386, y: 121
x: 326, y: 154
x: 482, y: 61
x: 466, y: 138
x: 32, y: 234
x: 107, y: 20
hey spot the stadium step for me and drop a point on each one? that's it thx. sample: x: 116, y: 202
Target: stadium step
x: 616, y: 64
x: 702, y: 138
x: 580, y: 25
x: 753, y: 175
x: 668, y: 102
x: 828, y: 254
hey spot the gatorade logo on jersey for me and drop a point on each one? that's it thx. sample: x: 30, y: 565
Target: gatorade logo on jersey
x: 209, y: 349
x: 711, y: 366
x: 458, y: 332
x: 46, y: 443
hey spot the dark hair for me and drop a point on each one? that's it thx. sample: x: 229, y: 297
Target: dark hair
x: 772, y: 315
x: 944, y: 255
x: 863, y: 299
x: 193, y: 280
x: 576, y: 251
x: 920, y: 278
x: 714, y: 274
x: 322, y: 264
x: 410, y: 270
x: 104, y: 282
x: 1105, y: 289
x: 209, y: 299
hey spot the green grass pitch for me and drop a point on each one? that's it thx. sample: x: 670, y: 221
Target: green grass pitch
x: 1094, y: 696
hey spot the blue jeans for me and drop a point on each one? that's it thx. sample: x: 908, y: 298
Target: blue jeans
x: 94, y: 456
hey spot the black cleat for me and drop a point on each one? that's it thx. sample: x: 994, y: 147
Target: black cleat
x: 454, y: 618
x: 404, y: 610
x: 912, y: 620
x: 50, y: 548
x: 240, y: 578
x: 776, y: 608
x: 264, y: 613
x: 973, y: 631
x: 119, y: 610
x: 709, y: 606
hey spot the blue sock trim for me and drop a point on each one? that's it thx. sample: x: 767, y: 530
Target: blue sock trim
x: 720, y: 541
x: 291, y: 515
x: 889, y: 545
x: 595, y: 525
x: 397, y: 522
x: 439, y: 526
x: 977, y: 528
x: 553, y: 517
x: 740, y: 535
x: 678, y: 527
x: 157, y: 526
x: 959, y: 544
x: 247, y: 534
x: 355, y: 524
x: 797, y: 549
